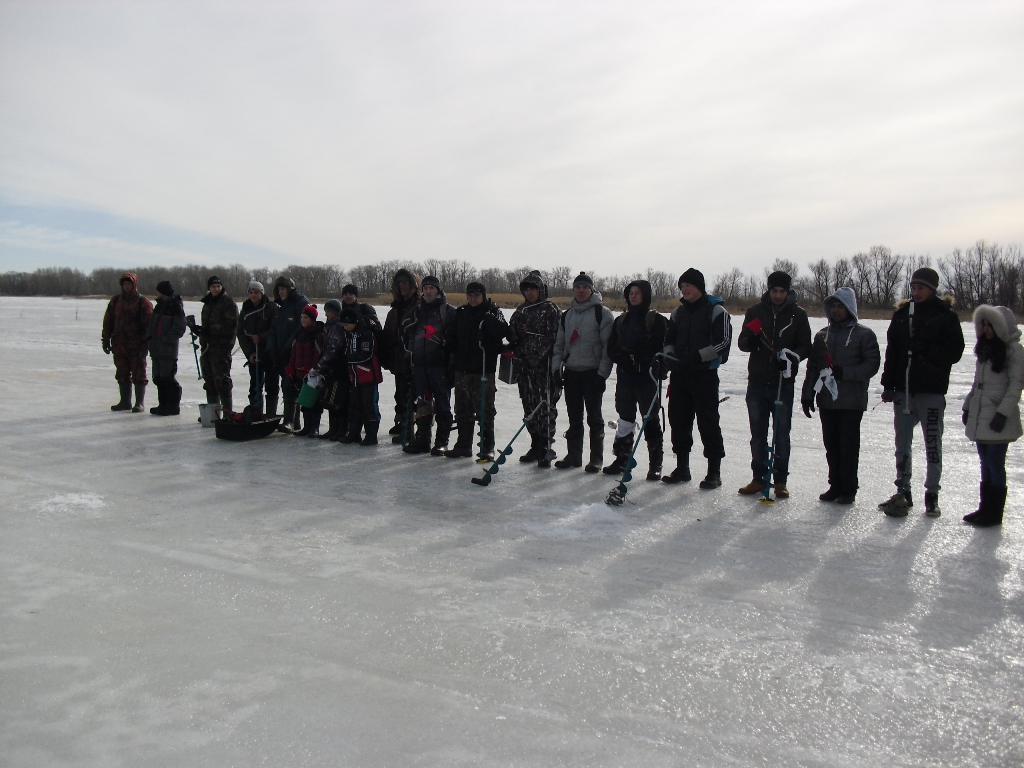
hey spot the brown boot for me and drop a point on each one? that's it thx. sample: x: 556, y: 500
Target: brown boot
x: 754, y: 486
x: 781, y: 491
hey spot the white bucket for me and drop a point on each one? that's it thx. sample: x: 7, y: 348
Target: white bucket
x: 209, y: 413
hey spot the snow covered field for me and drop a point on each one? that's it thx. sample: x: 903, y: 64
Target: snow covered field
x: 169, y: 599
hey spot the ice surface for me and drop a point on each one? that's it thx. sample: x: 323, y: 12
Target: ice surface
x: 169, y: 599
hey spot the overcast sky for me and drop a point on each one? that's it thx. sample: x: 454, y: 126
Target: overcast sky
x: 607, y: 136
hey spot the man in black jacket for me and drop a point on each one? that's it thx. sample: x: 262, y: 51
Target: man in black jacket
x: 697, y: 339
x: 254, y: 321
x: 166, y: 327
x: 283, y: 326
x: 925, y: 345
x: 777, y: 335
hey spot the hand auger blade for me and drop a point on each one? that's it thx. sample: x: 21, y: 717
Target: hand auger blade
x: 627, y: 476
x: 616, y: 496
x: 485, y: 480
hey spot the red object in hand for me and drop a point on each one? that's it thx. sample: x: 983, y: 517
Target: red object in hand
x: 754, y: 326
x: 429, y: 331
x: 828, y: 359
x: 290, y: 371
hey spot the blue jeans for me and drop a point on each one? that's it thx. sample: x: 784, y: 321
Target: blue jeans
x: 993, y: 463
x: 760, y: 412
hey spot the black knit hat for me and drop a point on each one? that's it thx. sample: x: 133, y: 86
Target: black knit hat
x: 779, y: 280
x: 926, y: 276
x: 476, y: 287
x: 164, y: 287
x: 332, y: 305
x: 694, y: 277
x: 350, y: 289
x: 430, y: 280
x: 214, y: 280
x: 583, y: 279
x: 532, y: 280
x: 349, y: 315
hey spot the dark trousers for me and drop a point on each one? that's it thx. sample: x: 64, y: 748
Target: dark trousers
x: 216, y: 366
x: 583, y: 390
x: 432, y: 396
x: 165, y: 371
x: 262, y: 375
x: 692, y: 394
x: 633, y: 395
x: 760, y: 412
x: 536, y: 387
x: 402, y: 385
x: 993, y: 463
x: 362, y: 406
x: 840, y: 431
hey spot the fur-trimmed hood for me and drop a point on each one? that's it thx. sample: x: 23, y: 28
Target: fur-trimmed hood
x: 1002, y: 320
x: 948, y: 298
x: 405, y: 274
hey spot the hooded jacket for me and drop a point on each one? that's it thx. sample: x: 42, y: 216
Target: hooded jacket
x: 392, y: 352
x: 166, y: 327
x: 533, y: 327
x: 992, y: 392
x: 426, y: 328
x: 286, y: 321
x: 638, y: 334
x: 849, y: 345
x: 936, y: 344
x: 581, y: 342
x: 473, y: 326
x: 788, y: 328
x: 126, y: 321
x: 255, y: 320
x: 332, y: 359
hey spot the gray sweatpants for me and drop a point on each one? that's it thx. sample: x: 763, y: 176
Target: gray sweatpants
x: 928, y: 411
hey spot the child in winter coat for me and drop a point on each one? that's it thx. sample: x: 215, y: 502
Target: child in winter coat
x: 364, y: 376
x: 305, y: 352
x: 991, y: 412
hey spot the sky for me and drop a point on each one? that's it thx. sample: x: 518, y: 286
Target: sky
x: 610, y: 137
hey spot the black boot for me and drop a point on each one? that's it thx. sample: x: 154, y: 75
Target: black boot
x: 421, y: 440
x: 173, y: 407
x: 396, y: 430
x: 441, y: 441
x: 486, y: 452
x: 158, y: 409
x: 992, y: 513
x: 536, y: 449
x: 980, y: 511
x: 312, y: 417
x: 655, y: 455
x: 288, y: 417
x: 596, y: 452
x: 620, y: 450
x: 546, y: 457
x: 681, y: 474
x: 574, y: 454
x: 125, y: 403
x: 714, y: 476
x: 463, y: 447
x: 140, y: 398
x: 931, y: 505
x: 332, y: 426
x: 271, y: 407
x: 371, y: 433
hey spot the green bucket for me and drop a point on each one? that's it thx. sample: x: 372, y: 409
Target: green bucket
x: 308, y: 395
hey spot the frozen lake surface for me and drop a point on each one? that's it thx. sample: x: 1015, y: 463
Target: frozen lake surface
x: 169, y: 599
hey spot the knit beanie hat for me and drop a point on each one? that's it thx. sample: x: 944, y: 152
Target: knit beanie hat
x: 332, y: 305
x: 476, y: 288
x: 583, y: 279
x: 349, y: 315
x: 779, y: 280
x: 350, y: 289
x: 256, y: 285
x: 694, y: 277
x: 926, y: 276
x: 431, y: 280
x: 214, y: 280
x: 310, y: 310
x: 164, y: 287
x: 532, y: 280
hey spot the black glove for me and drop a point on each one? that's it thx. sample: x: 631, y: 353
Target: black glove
x: 837, y: 372
x: 106, y: 347
x: 997, y: 423
x: 602, y: 383
x: 808, y: 407
x: 963, y: 417
x: 781, y: 363
x: 556, y: 377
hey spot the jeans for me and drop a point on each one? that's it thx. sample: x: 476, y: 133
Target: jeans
x: 760, y: 412
x: 928, y: 410
x: 993, y: 463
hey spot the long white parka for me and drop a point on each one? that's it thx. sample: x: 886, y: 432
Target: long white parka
x: 993, y: 392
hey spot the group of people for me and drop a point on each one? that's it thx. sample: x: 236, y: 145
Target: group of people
x: 432, y: 348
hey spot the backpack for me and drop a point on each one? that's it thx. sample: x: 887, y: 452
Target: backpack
x: 598, y: 315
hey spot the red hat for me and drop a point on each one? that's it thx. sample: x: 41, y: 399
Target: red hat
x: 310, y: 310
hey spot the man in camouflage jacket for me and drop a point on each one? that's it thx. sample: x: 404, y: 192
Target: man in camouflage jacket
x: 125, y: 328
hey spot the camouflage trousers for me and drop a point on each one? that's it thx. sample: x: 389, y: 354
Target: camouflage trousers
x: 467, y: 398
x: 216, y: 365
x: 535, y: 386
x: 130, y: 366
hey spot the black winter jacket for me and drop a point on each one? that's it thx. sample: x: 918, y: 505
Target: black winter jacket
x: 633, y: 352
x: 284, y: 326
x: 786, y: 329
x: 937, y: 345
x: 255, y: 320
x: 166, y: 327
x: 426, y: 328
x: 392, y: 349
x: 472, y: 326
x: 698, y: 334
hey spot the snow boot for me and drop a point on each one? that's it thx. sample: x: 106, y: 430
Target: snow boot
x: 441, y: 440
x: 714, y: 477
x: 655, y: 455
x: 310, y: 422
x: 271, y: 411
x: 898, y: 504
x: 546, y: 457
x: 681, y: 474
x: 620, y: 450
x: 420, y: 442
x: 931, y: 505
x: 288, y: 417
x: 983, y: 493
x: 846, y: 498
x: 781, y: 491
x: 830, y: 495
x: 573, y: 455
x: 596, y: 453
x: 396, y: 430
x: 352, y: 434
x: 158, y: 409
x: 754, y: 487
x: 463, y: 447
x: 535, y: 450
x: 371, y: 433
x: 992, y: 509
x: 332, y: 426
x: 125, y: 403
x: 140, y: 398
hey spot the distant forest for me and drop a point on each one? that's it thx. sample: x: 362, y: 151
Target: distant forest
x: 985, y: 273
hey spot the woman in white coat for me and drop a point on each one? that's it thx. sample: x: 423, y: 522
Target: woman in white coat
x: 992, y: 408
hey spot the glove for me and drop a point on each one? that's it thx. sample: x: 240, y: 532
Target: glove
x: 963, y: 417
x: 602, y: 383
x: 781, y: 363
x: 837, y: 372
x: 106, y: 347
x: 888, y: 395
x: 556, y: 377
x: 808, y: 407
x: 997, y: 423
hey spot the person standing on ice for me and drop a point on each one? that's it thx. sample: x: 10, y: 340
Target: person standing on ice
x: 166, y: 327
x: 844, y: 357
x: 697, y: 341
x: 777, y: 334
x: 364, y: 375
x: 638, y: 334
x: 991, y: 412
x: 474, y: 341
x: 580, y: 362
x: 331, y: 365
x: 307, y: 345
x: 285, y: 324
x: 350, y: 298
x: 254, y: 322
x: 217, y: 338
x: 424, y: 338
x: 923, y: 348
x: 531, y: 334
x: 405, y: 295
x: 125, y: 327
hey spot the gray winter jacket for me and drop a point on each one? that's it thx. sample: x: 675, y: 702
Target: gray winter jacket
x: 850, y: 346
x: 993, y: 392
x: 582, y: 343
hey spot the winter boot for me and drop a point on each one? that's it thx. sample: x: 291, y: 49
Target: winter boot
x: 573, y: 454
x: 271, y: 411
x: 396, y: 430
x: 289, y: 416
x: 620, y: 450
x: 754, y: 487
x: 125, y: 404
x: 306, y: 421
x: 898, y: 504
x: 536, y: 449
x: 352, y: 433
x: 681, y: 474
x: 140, y: 398
x: 371, y: 433
x: 256, y: 402
x: 441, y: 441
x: 463, y: 447
x: 420, y: 442
x: 992, y: 510
x: 158, y: 409
x: 980, y: 511
x: 931, y: 505
x: 333, y: 423
x: 546, y: 457
x: 714, y: 477
x: 655, y: 454
x: 781, y: 491
x: 312, y: 417
x: 596, y: 453
x: 830, y: 495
